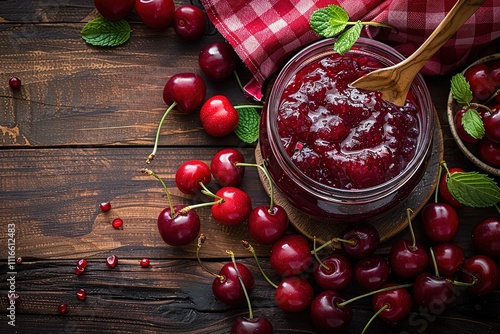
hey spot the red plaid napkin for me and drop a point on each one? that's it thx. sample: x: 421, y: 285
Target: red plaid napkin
x: 265, y: 32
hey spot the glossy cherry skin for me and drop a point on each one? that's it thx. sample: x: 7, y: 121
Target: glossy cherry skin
x: 155, y: 14
x: 235, y: 208
x: 179, y: 229
x: 439, y: 221
x: 495, y: 74
x: 265, y: 226
x: 190, y: 174
x: 433, y: 292
x: 486, y: 270
x: 294, y: 294
x: 372, y: 272
x: 337, y: 276
x: 486, y: 237
x: 228, y: 289
x: 224, y: 169
x: 327, y: 316
x: 464, y: 135
x: 492, y: 124
x: 188, y: 90
x: 218, y: 61
x: 366, y: 240
x: 398, y: 300
x: 15, y: 83
x: 480, y: 81
x: 449, y: 257
x: 218, y: 116
x: 291, y: 255
x: 444, y: 193
x: 407, y: 261
x: 244, y: 325
x: 189, y: 22
x: 114, y: 10
x: 489, y: 152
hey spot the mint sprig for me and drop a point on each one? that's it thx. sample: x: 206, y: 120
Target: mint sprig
x: 473, y: 189
x: 248, y: 123
x: 460, y: 89
x: 331, y: 21
x: 103, y: 32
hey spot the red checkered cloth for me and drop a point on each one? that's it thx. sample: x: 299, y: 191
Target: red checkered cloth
x: 264, y: 33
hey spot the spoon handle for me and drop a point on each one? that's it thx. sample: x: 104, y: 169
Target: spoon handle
x: 456, y: 17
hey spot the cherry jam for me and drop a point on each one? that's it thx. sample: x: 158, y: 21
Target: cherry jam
x: 341, y: 136
x: 337, y: 152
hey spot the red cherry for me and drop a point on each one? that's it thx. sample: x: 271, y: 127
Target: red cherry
x: 187, y: 90
x: 464, y: 135
x: 293, y: 294
x: 444, y: 192
x: 63, y: 308
x: 372, y: 272
x: 235, y: 207
x: 485, y: 270
x: 218, y: 61
x: 439, y: 221
x: 363, y: 240
x: 144, y: 262
x: 480, y: 81
x: 495, y: 73
x: 243, y: 325
x: 81, y: 294
x: 224, y: 168
x: 433, y: 292
x: 407, y: 259
x: 218, y: 116
x: 189, y: 22
x: 449, y: 257
x: 105, y: 206
x: 227, y: 288
x: 117, y: 223
x: 15, y: 83
x: 155, y: 14
x: 291, y: 255
x: 111, y: 261
x: 336, y: 276
x: 266, y: 226
x: 180, y: 228
x: 114, y: 10
x: 327, y: 316
x: 398, y: 303
x: 492, y: 124
x: 486, y: 237
x: 489, y: 152
x: 191, y: 174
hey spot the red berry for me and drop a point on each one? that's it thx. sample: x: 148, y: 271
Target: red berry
x: 117, y: 224
x: 218, y: 116
x: 114, y: 10
x: 235, y: 207
x: 82, y: 263
x: 492, y: 124
x: 480, y: 81
x: 291, y: 255
x: 111, y: 261
x: 81, y: 294
x: 155, y: 14
x: 440, y: 221
x: 224, y: 169
x: 105, y: 206
x: 444, y: 192
x: 189, y: 22
x: 459, y: 127
x: 489, y: 151
x: 144, y: 262
x: 188, y: 90
x: 218, y: 61
x: 15, y: 83
x: 79, y: 270
x: 178, y: 228
x: 191, y: 174
x: 63, y: 308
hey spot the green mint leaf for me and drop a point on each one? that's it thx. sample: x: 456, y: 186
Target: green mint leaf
x: 460, y: 89
x: 473, y: 123
x: 347, y: 39
x: 102, y: 32
x: 248, y: 124
x: 473, y: 189
x: 329, y: 21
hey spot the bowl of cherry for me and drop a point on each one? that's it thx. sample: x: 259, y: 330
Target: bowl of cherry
x: 474, y: 112
x: 338, y: 153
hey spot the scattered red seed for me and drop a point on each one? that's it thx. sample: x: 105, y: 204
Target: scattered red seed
x: 144, y: 262
x: 82, y: 263
x: 105, y: 206
x: 63, y: 308
x: 19, y: 260
x: 117, y: 223
x: 15, y: 83
x: 81, y: 294
x: 112, y: 261
x: 79, y: 270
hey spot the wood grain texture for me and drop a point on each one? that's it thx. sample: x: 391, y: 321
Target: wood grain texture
x: 77, y: 134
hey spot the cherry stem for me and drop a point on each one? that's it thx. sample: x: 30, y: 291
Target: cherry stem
x: 389, y: 288
x: 206, y: 191
x: 201, y: 240
x: 436, y: 191
x: 382, y: 309
x: 151, y: 173
x: 269, y: 181
x: 412, y: 233
x: 201, y: 205
x: 317, y: 257
x: 153, y: 154
x: 250, y: 311
x: 479, y: 105
x: 474, y: 279
x: 242, y: 106
x: 374, y: 24
x: 434, y: 262
x: 250, y: 248
x: 351, y: 242
x: 494, y: 95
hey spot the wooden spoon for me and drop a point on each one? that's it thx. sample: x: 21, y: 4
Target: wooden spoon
x: 395, y: 81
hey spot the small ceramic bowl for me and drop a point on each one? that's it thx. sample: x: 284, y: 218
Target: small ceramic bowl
x: 471, y: 151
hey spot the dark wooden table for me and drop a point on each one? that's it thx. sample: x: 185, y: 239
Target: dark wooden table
x: 77, y: 133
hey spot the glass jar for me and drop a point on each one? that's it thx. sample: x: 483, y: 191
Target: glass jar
x: 334, y: 203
